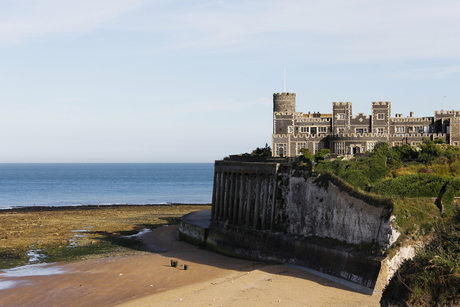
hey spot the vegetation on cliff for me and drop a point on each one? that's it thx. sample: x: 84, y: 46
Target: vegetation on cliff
x: 432, y: 278
x: 262, y: 151
x: 422, y: 182
x: 386, y: 163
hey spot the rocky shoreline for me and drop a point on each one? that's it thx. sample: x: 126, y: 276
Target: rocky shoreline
x: 77, y: 232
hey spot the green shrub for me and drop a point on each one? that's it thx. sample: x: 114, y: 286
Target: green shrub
x: 262, y: 151
x: 432, y: 278
x: 420, y: 185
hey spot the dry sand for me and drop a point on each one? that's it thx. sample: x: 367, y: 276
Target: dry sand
x: 149, y: 280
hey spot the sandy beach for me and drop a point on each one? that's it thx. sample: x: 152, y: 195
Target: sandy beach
x: 147, y: 279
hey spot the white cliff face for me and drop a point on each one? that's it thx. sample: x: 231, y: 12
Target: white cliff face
x: 403, y: 254
x: 331, y: 213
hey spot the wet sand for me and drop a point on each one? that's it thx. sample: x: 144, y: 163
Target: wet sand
x: 147, y: 279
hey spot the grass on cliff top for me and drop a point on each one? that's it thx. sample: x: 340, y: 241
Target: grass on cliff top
x: 419, y: 216
x: 432, y: 278
x: 73, y: 233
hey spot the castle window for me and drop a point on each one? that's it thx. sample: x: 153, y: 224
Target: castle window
x: 304, y: 129
x: 290, y: 129
x: 370, y: 146
x: 281, y: 150
x: 340, y: 148
x: 380, y: 116
x: 361, y: 130
x: 300, y: 146
x: 415, y: 143
x: 419, y: 129
x: 380, y: 130
x: 399, y: 130
x: 455, y: 143
x: 313, y: 130
x: 317, y: 146
x: 341, y: 116
x: 340, y: 130
x: 322, y: 129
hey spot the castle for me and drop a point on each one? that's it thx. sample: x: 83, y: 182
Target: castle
x: 346, y: 134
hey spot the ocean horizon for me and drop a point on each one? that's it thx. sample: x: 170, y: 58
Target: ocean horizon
x: 80, y: 184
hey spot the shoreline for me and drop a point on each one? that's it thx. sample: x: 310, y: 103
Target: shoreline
x: 70, y: 207
x: 62, y: 234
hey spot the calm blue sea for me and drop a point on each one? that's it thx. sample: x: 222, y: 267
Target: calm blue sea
x: 104, y: 184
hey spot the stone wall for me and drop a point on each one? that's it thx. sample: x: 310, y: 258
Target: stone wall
x: 282, y: 213
x: 244, y: 194
x: 277, y: 197
x: 328, y: 212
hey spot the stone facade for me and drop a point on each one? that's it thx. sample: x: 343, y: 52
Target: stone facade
x: 346, y: 134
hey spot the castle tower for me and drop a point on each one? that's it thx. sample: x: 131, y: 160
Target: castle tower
x: 284, y: 102
x: 381, y: 117
x: 283, y: 123
x: 341, y: 117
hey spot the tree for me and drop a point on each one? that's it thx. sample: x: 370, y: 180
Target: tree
x: 429, y: 151
x: 320, y: 155
x: 262, y: 151
x: 306, y: 154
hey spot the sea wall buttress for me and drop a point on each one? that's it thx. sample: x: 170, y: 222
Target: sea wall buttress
x: 282, y: 212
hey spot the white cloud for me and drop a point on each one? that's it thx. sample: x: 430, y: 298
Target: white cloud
x: 35, y: 18
x: 354, y: 30
x: 326, y: 30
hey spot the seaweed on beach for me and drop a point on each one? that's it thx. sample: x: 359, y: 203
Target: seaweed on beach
x: 72, y: 233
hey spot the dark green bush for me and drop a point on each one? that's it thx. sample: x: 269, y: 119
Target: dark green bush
x: 432, y: 278
x: 420, y: 185
x: 262, y: 151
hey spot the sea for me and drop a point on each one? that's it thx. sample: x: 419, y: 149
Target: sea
x: 80, y: 184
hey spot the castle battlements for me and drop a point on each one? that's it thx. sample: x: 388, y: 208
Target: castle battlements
x: 360, y: 115
x: 411, y: 119
x: 284, y: 94
x: 310, y: 136
x: 381, y: 103
x: 443, y: 112
x: 342, y: 103
x: 359, y: 135
x: 313, y: 119
x: 283, y: 113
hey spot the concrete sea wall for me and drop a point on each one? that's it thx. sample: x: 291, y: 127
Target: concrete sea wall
x: 278, y: 212
x: 332, y: 213
x: 355, y: 270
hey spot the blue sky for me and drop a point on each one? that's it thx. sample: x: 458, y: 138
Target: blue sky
x: 192, y: 81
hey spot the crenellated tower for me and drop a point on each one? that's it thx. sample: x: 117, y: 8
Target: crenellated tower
x: 284, y: 102
x: 283, y: 123
x: 341, y: 116
x: 381, y: 117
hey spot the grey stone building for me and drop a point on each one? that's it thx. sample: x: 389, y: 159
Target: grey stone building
x: 345, y: 134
